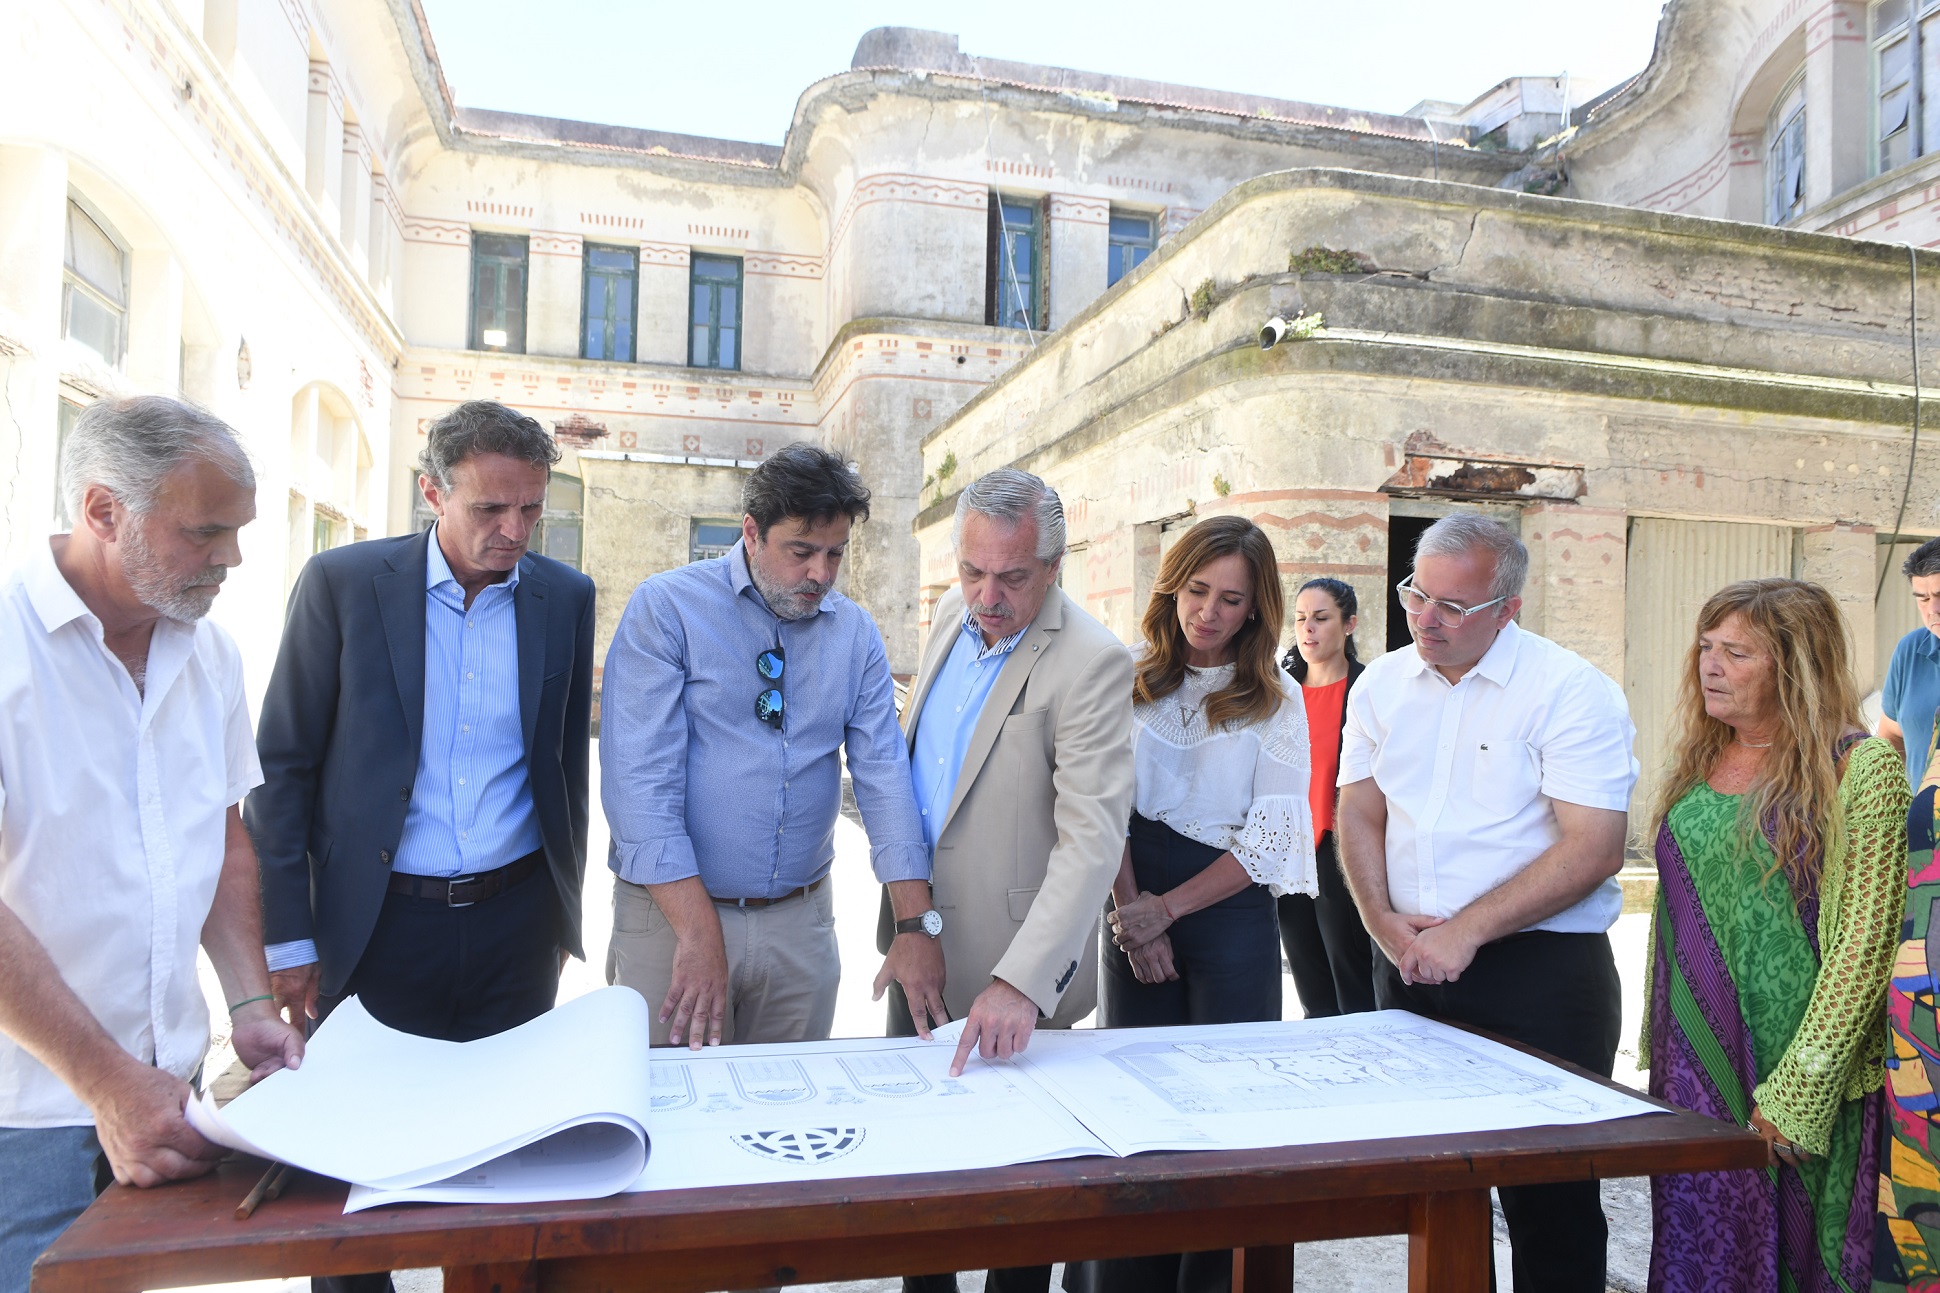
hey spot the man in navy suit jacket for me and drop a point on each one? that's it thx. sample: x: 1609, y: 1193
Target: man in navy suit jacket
x: 424, y: 741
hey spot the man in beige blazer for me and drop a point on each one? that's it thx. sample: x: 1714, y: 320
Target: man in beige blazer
x: 1019, y: 729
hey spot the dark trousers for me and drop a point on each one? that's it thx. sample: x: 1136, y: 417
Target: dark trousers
x: 1228, y: 959
x: 1328, y: 948
x: 456, y: 974
x: 1560, y: 994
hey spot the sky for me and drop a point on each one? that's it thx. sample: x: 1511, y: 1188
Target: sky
x: 735, y: 72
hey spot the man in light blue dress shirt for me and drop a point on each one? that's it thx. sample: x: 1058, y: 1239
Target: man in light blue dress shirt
x: 732, y: 693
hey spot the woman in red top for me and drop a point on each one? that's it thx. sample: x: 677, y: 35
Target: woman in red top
x: 1327, y: 947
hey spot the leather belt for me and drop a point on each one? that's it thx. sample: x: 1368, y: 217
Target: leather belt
x: 464, y: 890
x: 769, y: 902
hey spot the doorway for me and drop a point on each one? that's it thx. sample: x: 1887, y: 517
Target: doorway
x: 1403, y: 533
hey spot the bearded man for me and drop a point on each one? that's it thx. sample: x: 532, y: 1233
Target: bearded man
x: 729, y: 690
x: 124, y: 751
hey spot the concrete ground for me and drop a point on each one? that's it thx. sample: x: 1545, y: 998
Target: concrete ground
x: 1344, y: 1266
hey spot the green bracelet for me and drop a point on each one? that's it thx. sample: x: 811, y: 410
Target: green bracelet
x: 247, y: 1001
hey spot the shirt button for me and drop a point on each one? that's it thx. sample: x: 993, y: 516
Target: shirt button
x: 466, y: 728
x: 469, y: 624
x: 461, y: 781
x: 468, y: 673
x: 464, y: 835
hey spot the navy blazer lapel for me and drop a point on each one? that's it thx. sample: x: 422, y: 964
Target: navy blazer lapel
x: 529, y: 606
x: 400, y: 604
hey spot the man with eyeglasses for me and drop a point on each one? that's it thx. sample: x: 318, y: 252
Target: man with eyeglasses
x: 1485, y: 774
x: 732, y: 692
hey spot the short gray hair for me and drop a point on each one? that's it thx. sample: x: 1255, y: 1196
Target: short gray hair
x: 1923, y: 560
x: 129, y: 446
x: 1460, y: 533
x: 483, y: 426
x: 1010, y: 496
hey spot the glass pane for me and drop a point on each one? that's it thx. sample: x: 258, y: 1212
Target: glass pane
x: 1131, y: 228
x: 1893, y: 152
x: 729, y: 358
x: 703, y: 304
x: 562, y: 542
x: 717, y: 268
x: 1888, y: 15
x: 1020, y: 253
x: 1893, y: 64
x: 697, y: 348
x: 94, y: 256
x: 1893, y: 110
x: 1138, y: 255
x: 610, y: 258
x: 596, y: 326
x: 94, y: 325
x: 621, y: 350
x: 726, y: 297
x: 1114, y: 264
x: 1017, y: 214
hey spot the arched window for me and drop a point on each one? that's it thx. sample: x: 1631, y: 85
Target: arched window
x: 1785, y: 155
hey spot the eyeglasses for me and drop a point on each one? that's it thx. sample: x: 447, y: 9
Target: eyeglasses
x: 768, y: 705
x: 1416, y: 603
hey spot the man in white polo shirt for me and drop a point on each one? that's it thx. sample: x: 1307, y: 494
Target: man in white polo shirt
x: 1485, y: 773
x: 124, y: 750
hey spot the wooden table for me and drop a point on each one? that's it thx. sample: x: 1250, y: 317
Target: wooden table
x: 1259, y: 1202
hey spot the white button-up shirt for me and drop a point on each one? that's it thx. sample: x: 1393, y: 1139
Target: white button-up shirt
x: 1469, y: 769
x: 112, y: 821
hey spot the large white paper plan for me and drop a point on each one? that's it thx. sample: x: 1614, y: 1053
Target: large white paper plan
x: 812, y: 1111
x: 553, y: 1109
x: 1307, y: 1082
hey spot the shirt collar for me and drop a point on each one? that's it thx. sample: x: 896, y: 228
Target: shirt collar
x: 1001, y: 646
x: 742, y: 581
x: 1496, y: 664
x: 53, y: 598
x: 437, y: 570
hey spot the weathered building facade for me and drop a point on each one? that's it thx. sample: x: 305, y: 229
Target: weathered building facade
x: 1658, y: 404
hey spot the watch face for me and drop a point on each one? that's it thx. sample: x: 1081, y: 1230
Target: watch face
x: 933, y: 923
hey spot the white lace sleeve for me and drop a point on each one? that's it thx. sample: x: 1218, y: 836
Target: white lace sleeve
x: 1276, y: 846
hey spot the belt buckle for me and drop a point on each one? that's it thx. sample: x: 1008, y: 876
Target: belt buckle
x: 451, y: 889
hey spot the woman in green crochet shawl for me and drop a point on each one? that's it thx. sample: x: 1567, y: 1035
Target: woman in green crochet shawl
x: 1781, y: 856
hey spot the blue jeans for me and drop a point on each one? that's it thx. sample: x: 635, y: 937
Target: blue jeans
x: 48, y: 1176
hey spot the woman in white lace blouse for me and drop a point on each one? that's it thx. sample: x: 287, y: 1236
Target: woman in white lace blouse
x: 1221, y: 824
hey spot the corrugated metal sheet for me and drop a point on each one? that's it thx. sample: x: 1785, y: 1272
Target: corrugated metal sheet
x: 1674, y: 566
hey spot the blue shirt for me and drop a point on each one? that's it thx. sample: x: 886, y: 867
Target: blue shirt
x: 695, y: 784
x: 949, y: 717
x: 471, y: 802
x: 1911, y: 694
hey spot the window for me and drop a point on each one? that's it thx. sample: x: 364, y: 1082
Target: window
x: 712, y: 538
x: 716, y: 320
x: 498, y: 292
x: 94, y: 286
x: 560, y: 529
x: 1130, y: 243
x: 1785, y: 156
x: 64, y: 416
x: 329, y: 531
x: 612, y: 278
x: 1903, y: 56
x: 1011, y: 279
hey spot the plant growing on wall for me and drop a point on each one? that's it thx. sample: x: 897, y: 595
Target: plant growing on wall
x: 1328, y: 260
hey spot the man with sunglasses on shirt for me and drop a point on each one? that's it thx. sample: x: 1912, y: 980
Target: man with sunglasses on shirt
x: 732, y: 690
x: 1485, y: 773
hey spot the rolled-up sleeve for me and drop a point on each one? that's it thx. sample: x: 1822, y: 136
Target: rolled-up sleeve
x: 879, y: 771
x: 1356, y: 745
x: 643, y: 744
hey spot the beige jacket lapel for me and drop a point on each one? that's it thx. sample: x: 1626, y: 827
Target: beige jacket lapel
x: 1003, y: 694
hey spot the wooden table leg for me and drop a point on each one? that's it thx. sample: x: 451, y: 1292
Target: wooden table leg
x: 1451, y: 1242
x: 1263, y: 1270
x: 507, y: 1277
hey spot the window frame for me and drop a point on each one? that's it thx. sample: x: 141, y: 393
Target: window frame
x: 1001, y: 265
x: 632, y: 277
x: 1113, y: 242
x: 1785, y: 121
x: 512, y: 346
x: 694, y: 280
x: 694, y: 524
x: 1909, y: 28
x: 556, y: 515
x: 73, y: 281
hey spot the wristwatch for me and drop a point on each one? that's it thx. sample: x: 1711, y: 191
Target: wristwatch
x: 930, y: 922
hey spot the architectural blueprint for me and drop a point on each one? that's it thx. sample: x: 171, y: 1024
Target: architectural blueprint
x: 1356, y: 1077
x: 860, y: 1107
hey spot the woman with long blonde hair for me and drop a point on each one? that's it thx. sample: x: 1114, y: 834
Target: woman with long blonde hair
x: 1220, y: 824
x: 1781, y: 855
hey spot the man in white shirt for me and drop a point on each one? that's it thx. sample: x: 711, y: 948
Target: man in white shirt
x: 124, y: 750
x: 1485, y: 774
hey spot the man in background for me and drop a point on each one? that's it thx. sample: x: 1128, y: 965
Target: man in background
x: 1911, y: 692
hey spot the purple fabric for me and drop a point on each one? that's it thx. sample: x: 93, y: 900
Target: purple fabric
x: 1713, y: 1232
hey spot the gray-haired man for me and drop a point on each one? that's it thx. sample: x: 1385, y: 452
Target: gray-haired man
x: 124, y: 749
x: 1485, y: 774
x: 422, y: 818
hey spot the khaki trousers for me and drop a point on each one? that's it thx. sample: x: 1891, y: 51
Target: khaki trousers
x: 783, y: 964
